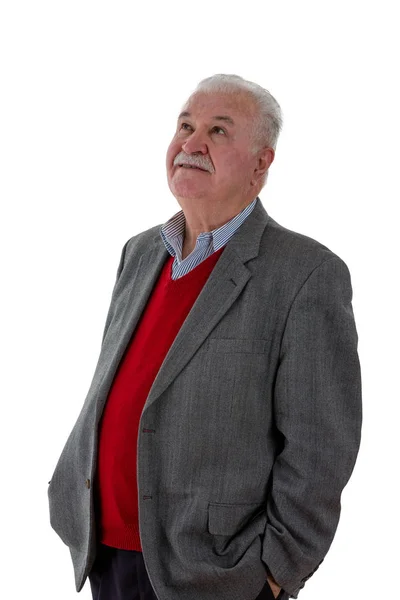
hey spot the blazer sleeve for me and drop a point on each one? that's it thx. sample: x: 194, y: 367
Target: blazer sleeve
x: 318, y: 411
x: 119, y: 271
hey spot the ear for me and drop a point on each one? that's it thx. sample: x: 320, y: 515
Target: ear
x: 265, y: 159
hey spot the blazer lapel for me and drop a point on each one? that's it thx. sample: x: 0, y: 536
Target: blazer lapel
x: 222, y: 288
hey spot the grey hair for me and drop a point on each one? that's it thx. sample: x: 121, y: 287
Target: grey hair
x: 268, y: 123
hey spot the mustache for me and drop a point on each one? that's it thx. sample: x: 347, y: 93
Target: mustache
x: 195, y: 162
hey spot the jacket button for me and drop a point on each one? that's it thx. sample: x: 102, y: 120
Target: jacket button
x: 88, y: 483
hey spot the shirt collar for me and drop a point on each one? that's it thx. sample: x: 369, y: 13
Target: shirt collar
x: 172, y: 231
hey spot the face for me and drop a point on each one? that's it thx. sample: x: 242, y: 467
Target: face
x: 220, y: 147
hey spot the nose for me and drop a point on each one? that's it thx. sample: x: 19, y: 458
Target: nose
x: 195, y: 143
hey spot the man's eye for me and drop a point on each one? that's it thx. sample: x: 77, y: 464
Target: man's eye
x: 215, y: 127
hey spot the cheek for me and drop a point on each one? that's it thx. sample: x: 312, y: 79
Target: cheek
x: 172, y: 151
x: 231, y: 166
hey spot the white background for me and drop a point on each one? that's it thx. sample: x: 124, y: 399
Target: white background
x: 90, y: 93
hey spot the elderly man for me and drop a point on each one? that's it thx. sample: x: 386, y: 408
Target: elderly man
x: 224, y: 416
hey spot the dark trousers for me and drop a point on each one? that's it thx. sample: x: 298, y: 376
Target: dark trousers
x: 121, y: 575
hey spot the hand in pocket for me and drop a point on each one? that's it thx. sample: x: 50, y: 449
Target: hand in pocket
x: 275, y: 589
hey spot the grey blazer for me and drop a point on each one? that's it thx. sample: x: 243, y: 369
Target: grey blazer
x: 251, y: 428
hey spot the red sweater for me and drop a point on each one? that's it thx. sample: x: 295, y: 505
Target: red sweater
x: 116, y: 482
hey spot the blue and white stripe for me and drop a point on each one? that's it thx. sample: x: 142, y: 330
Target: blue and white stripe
x: 172, y: 234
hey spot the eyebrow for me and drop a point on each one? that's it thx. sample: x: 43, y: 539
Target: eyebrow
x: 225, y: 118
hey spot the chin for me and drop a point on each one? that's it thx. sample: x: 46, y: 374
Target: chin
x: 188, y: 192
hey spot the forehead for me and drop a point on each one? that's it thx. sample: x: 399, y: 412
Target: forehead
x: 238, y: 107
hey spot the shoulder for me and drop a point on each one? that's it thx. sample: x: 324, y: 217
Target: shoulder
x: 287, y: 259
x: 292, y: 250
x: 139, y: 243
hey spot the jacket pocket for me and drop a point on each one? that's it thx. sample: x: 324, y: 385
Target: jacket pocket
x: 229, y: 519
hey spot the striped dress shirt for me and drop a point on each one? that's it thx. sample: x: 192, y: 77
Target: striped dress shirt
x: 172, y: 233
